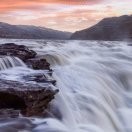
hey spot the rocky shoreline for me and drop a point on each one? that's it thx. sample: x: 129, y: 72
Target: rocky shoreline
x: 26, y: 98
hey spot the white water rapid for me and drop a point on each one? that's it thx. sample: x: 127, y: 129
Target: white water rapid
x: 7, y: 62
x: 95, y: 83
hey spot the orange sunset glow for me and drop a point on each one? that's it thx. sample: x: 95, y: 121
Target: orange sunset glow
x: 65, y: 15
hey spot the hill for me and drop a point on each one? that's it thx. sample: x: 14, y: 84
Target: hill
x: 114, y: 28
x: 30, y: 32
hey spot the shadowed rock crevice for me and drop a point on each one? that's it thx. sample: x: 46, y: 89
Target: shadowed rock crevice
x: 11, y: 101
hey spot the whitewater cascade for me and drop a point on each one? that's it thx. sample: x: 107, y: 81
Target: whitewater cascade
x: 7, y: 62
x: 94, y: 79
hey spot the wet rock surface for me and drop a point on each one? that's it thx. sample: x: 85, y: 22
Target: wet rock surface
x: 29, y: 99
x: 41, y: 78
x: 38, y: 63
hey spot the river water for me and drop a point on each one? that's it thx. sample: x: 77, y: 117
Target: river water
x: 95, y: 83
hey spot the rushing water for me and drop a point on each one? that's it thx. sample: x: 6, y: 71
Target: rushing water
x: 7, y: 62
x: 94, y: 79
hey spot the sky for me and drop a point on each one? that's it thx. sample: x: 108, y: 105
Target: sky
x: 65, y: 15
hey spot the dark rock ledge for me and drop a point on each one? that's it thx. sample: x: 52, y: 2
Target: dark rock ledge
x: 26, y: 98
x: 19, y: 51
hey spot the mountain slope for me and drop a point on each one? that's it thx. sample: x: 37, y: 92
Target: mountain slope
x: 30, y: 32
x: 115, y: 28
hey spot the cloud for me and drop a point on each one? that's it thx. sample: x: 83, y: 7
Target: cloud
x: 74, y: 2
x: 8, y: 5
x: 67, y: 15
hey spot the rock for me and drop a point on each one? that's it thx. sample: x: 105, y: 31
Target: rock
x: 115, y: 28
x: 30, y: 99
x: 20, y: 51
x: 26, y: 98
x: 38, y: 63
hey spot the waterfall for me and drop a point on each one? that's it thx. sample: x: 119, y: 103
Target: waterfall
x: 94, y: 79
x: 7, y: 62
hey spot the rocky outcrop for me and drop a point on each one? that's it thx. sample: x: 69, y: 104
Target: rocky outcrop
x: 28, y: 56
x: 30, y: 32
x: 115, y: 28
x: 29, y: 99
x: 20, y: 51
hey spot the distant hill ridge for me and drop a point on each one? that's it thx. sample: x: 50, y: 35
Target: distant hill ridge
x: 114, y: 28
x: 30, y: 32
